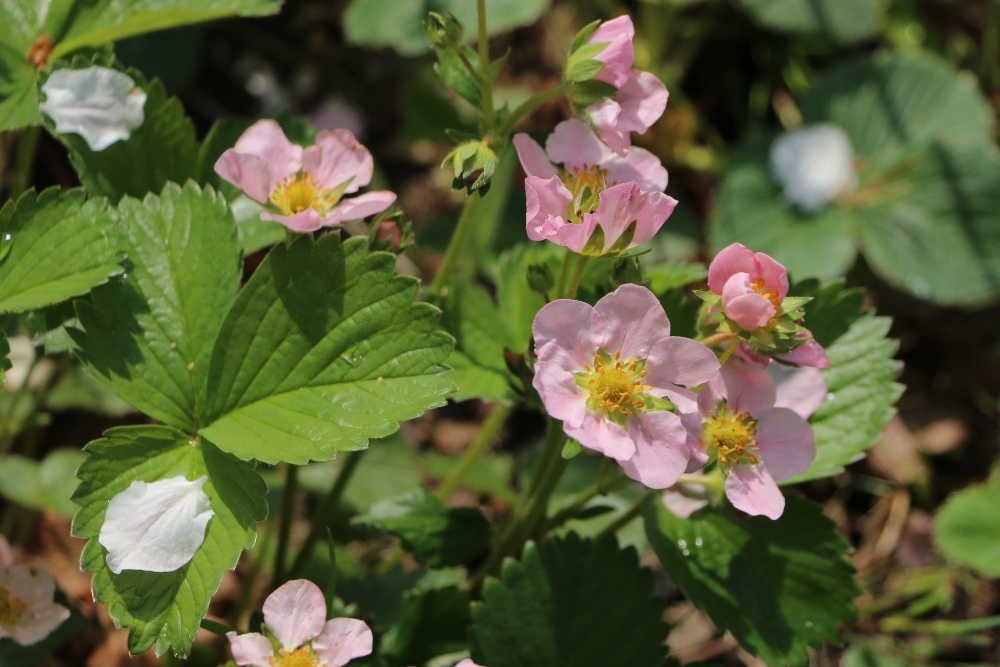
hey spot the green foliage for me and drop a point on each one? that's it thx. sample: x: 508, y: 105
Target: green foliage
x: 432, y: 621
x: 436, y: 535
x: 164, y: 610
x: 40, y: 485
x: 322, y: 350
x: 54, y: 246
x: 839, y: 20
x: 777, y: 586
x: 4, y: 358
x: 148, y: 336
x: 162, y: 149
x: 552, y: 609
x: 967, y: 528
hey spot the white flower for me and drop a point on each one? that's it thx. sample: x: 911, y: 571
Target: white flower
x: 156, y: 527
x: 100, y: 104
x: 28, y: 613
x: 813, y: 165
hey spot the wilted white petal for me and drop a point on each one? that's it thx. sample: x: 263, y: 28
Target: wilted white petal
x: 100, y: 104
x: 156, y: 527
x: 813, y: 165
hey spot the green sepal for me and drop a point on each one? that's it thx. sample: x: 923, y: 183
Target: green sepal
x: 571, y: 449
x: 583, y: 36
x: 585, y: 93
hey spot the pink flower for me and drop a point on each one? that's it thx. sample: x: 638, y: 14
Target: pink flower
x: 28, y: 613
x: 296, y: 615
x: 613, y: 372
x: 638, y: 104
x: 467, y: 663
x: 594, y: 188
x: 753, y: 439
x: 619, y: 53
x: 303, y: 187
x: 809, y: 353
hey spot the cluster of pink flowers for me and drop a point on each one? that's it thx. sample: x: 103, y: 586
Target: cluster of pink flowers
x: 28, y: 612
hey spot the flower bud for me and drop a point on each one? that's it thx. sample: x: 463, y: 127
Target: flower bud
x: 444, y: 30
x: 474, y: 163
x: 627, y: 270
x: 540, y: 279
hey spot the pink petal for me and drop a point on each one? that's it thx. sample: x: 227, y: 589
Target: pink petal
x: 295, y: 613
x: 699, y: 458
x: 563, y: 398
x: 533, y: 158
x: 786, y: 441
x: 733, y: 259
x: 575, y: 145
x: 568, y: 333
x: 618, y: 55
x: 602, y: 436
x: 810, y: 353
x: 342, y: 640
x: 604, y: 115
x: 360, y: 207
x: 683, y: 500
x: 573, y: 236
x: 751, y: 311
x: 338, y: 158
x: 643, y: 99
x: 308, y: 220
x: 546, y: 199
x: 625, y: 204
x: 747, y: 353
x: 653, y: 210
x: 739, y: 284
x: 661, y: 450
x: 40, y: 625
x: 774, y: 274
x: 267, y: 140
x: 639, y: 166
x: 467, y: 663
x: 746, y: 388
x: 677, y: 360
x: 752, y: 490
x: 635, y: 321
x: 801, y: 390
x: 250, y: 649
x: 250, y: 173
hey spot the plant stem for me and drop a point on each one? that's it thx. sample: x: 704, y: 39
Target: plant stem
x: 25, y: 161
x: 625, y: 519
x: 729, y: 351
x: 715, y: 339
x: 529, y: 106
x: 574, y: 282
x: 217, y: 628
x: 257, y: 557
x: 322, y: 517
x: 488, y: 433
x: 601, y: 487
x: 563, y: 274
x: 459, y: 242
x: 484, y: 68
x: 287, y: 510
x: 709, y: 481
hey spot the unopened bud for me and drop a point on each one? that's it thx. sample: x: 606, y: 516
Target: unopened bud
x: 444, y: 30
x: 540, y: 279
x: 627, y: 270
x: 474, y: 163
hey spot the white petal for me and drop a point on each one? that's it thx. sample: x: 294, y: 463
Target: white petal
x: 156, y: 527
x: 813, y: 165
x: 102, y: 105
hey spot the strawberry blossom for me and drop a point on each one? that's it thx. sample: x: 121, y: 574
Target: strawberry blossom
x: 28, y: 613
x: 594, y: 190
x: 613, y: 374
x: 296, y: 615
x: 619, y: 52
x: 303, y: 188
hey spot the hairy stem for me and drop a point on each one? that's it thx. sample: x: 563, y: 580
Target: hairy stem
x: 729, y: 351
x: 25, y: 161
x: 574, y: 282
x: 484, y: 68
x: 287, y: 510
x: 529, y: 106
x: 715, y: 339
x: 458, y: 244
x: 217, y: 628
x: 625, y: 519
x: 488, y: 433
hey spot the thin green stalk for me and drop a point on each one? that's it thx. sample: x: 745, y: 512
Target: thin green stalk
x: 729, y: 351
x: 458, y: 244
x: 715, y: 339
x: 257, y: 557
x: 601, y: 487
x: 25, y: 161
x: 564, y: 273
x: 322, y: 517
x: 287, y: 511
x: 484, y: 68
x: 217, y: 628
x: 574, y: 282
x: 487, y: 434
x: 529, y: 106
x: 15, y: 401
x: 625, y: 519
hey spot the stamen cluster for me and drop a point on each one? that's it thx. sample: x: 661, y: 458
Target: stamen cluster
x: 730, y: 438
x: 12, y: 608
x: 616, y: 386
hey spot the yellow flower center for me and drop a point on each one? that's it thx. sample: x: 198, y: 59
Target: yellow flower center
x: 758, y: 287
x: 11, y: 608
x: 296, y: 194
x: 615, y: 386
x: 729, y: 438
x: 585, y: 184
x: 300, y: 657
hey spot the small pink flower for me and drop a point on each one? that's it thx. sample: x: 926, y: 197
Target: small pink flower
x: 296, y: 614
x: 754, y: 439
x: 593, y: 188
x: 638, y: 104
x: 608, y: 373
x: 752, y: 285
x: 28, y: 613
x: 303, y: 187
x: 619, y: 53
x: 467, y: 663
x: 809, y: 353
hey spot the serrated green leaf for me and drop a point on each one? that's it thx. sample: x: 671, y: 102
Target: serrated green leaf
x: 832, y: 310
x: 323, y: 349
x: 163, y: 149
x: 550, y: 609
x: 431, y: 622
x: 164, y: 610
x: 40, y: 485
x: 840, y: 20
x: 967, y: 528
x: 862, y: 390
x: 436, y: 535
x: 54, y: 246
x: 148, y: 336
x: 18, y: 99
x: 777, y: 586
x: 457, y: 76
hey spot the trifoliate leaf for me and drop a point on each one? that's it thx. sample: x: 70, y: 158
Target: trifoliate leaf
x: 164, y: 610
x: 553, y: 608
x: 323, y: 349
x: 840, y: 20
x: 54, y: 246
x: 432, y: 621
x: 148, y: 336
x: 967, y: 528
x: 436, y: 535
x: 777, y: 586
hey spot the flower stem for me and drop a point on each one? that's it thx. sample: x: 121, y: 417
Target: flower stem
x: 574, y: 282
x: 457, y: 245
x: 708, y: 481
x: 287, y: 510
x: 625, y: 519
x: 529, y: 106
x: 484, y: 68
x: 322, y: 517
x: 601, y: 487
x: 729, y: 351
x: 217, y: 628
x: 715, y: 339
x: 488, y: 433
x: 25, y: 161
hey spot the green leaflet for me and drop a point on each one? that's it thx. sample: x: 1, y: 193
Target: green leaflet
x: 840, y: 20
x: 967, y: 528
x: 432, y: 621
x: 777, y: 586
x: 164, y: 610
x: 54, y: 246
x: 148, y: 336
x: 551, y: 609
x: 39, y: 485
x: 322, y: 350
